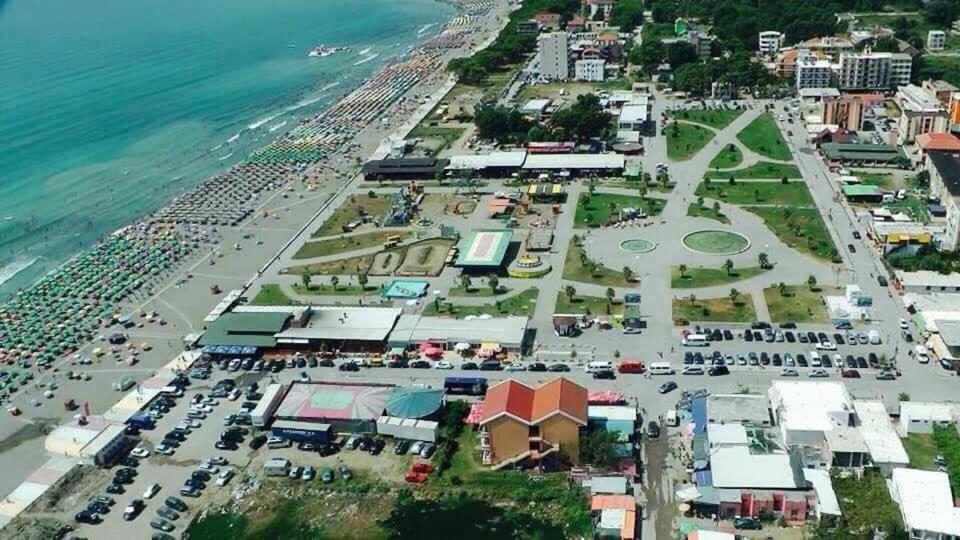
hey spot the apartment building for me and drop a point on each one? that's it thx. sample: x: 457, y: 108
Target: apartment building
x: 845, y: 111
x: 812, y: 73
x: 920, y: 112
x: 873, y: 71
x: 936, y: 40
x: 944, y: 169
x: 589, y: 70
x: 770, y: 42
x: 553, y: 56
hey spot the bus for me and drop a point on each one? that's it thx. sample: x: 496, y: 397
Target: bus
x: 470, y: 386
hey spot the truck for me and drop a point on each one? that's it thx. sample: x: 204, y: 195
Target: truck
x: 276, y: 466
x: 874, y: 337
x: 471, y: 386
x: 141, y: 420
x: 124, y: 383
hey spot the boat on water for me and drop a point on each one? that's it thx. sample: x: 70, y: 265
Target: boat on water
x: 320, y: 50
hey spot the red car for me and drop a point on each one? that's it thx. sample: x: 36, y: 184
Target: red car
x: 415, y: 477
x: 850, y: 374
x: 421, y: 468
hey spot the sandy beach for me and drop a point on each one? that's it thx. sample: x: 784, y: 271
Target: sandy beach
x: 230, y: 251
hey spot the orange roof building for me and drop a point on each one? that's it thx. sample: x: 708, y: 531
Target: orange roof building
x: 938, y: 141
x: 522, y: 424
x: 618, y: 513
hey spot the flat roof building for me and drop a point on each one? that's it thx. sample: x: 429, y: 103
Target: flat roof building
x: 347, y: 407
x: 403, y: 168
x: 926, y: 503
x: 944, y: 169
x: 749, y: 410
x: 573, y: 164
x: 339, y: 327
x: 883, y: 443
x: 921, y: 416
x: 505, y: 333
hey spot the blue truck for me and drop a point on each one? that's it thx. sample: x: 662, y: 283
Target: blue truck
x: 471, y: 386
x: 142, y: 421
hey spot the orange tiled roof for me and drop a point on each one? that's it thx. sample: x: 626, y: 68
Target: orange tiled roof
x: 531, y: 405
x: 607, y: 502
x: 607, y: 37
x: 545, y: 16
x: 938, y: 141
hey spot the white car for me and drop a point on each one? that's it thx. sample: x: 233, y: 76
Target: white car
x: 516, y: 367
x: 903, y: 324
x: 152, y: 490
x: 818, y: 373
x: 210, y: 401
x: 416, y: 448
x: 224, y: 477
x: 217, y: 460
x: 140, y: 452
x: 789, y: 372
x: 202, y: 408
x: 208, y: 467
x: 444, y: 364
x: 163, y: 449
x: 192, y: 422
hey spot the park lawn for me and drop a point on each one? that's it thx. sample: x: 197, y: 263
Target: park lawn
x: 793, y: 194
x: 866, y: 504
x: 759, y: 170
x: 574, y: 270
x: 332, y: 246
x: 883, y: 179
x: 763, y: 137
x: 326, y: 289
x: 587, y: 305
x: 438, y: 138
x: 948, y: 444
x: 717, y: 119
x: 708, y: 277
x: 598, y: 209
x: 523, y: 304
x: 912, y: 206
x: 706, y: 211
x: 339, y: 267
x: 715, y: 309
x: 729, y: 157
x: 478, y: 289
x: 921, y: 449
x: 350, y: 210
x: 685, y: 140
x: 799, y: 304
x: 271, y: 294
x: 805, y: 232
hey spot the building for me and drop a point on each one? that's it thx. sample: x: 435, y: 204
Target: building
x: 567, y: 165
x: 863, y: 154
x: 342, y: 407
x: 921, y: 416
x: 589, y: 70
x: 828, y: 46
x: 553, y: 56
x: 487, y: 336
x: 595, y: 6
x: 94, y: 440
x: 492, y: 165
x: 615, y: 516
x: 883, y: 443
x: 926, y: 281
x: 846, y: 112
x: 926, y: 504
x: 549, y: 22
x: 873, y: 71
x: 528, y: 27
x: 936, y: 40
x: 403, y: 169
x: 770, y: 42
x: 931, y: 142
x: 344, y: 328
x: 804, y: 411
x: 760, y: 483
x: 944, y: 169
x: 483, y: 249
x: 943, y: 90
x: 920, y: 112
x: 812, y: 73
x: 785, y: 65
x: 245, y: 329
x: 522, y: 424
x: 748, y: 410
x: 633, y: 117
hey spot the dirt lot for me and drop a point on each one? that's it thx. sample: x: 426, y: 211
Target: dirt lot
x: 425, y: 258
x: 385, y: 263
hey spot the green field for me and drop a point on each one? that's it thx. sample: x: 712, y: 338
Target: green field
x: 715, y: 309
x: 586, y: 305
x: 597, y: 209
x: 715, y: 119
x: 729, y: 157
x: 921, y: 448
x: 685, y: 140
x: 332, y: 246
x: 351, y: 265
x: 883, y: 179
x: 941, y: 67
x: 798, y: 303
x: 438, y: 138
x: 706, y: 211
x: 478, y: 289
x: 763, y: 137
x: 326, y: 289
x: 803, y: 231
x: 271, y: 295
x: 866, y: 505
x: 794, y: 194
x: 523, y: 304
x: 758, y: 171
x: 351, y: 210
x: 708, y: 277
x: 575, y: 270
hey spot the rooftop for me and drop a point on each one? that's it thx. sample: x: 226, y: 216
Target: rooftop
x: 928, y: 278
x: 949, y: 332
x: 344, y: 323
x: 483, y: 161
x: 933, y: 411
x: 484, y: 247
x: 926, y: 501
x: 612, y: 412
x: 861, y: 151
x: 938, y: 141
x: 810, y: 406
x: 878, y: 433
x: 736, y: 467
x: 634, y: 113
x: 913, y: 98
x: 245, y: 329
x: 495, y: 330
x: 741, y: 408
x: 827, y: 502
x: 533, y: 405
x: 574, y: 161
x: 948, y: 167
x: 727, y: 435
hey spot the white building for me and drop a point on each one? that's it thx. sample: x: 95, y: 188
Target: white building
x: 589, y: 70
x: 554, y: 57
x: 806, y: 410
x: 770, y: 42
x: 936, y: 40
x: 901, y: 65
x: 921, y: 416
x: 883, y: 443
x: 926, y: 504
x: 633, y: 117
x: 920, y: 112
x: 812, y: 73
x: 873, y: 71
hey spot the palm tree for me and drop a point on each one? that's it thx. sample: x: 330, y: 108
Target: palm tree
x: 642, y: 190
x: 782, y: 288
x: 764, y: 260
x: 305, y: 279
x: 363, y: 279
x: 693, y: 299
x: 627, y: 273
x: 716, y: 208
x: 734, y: 294
x: 591, y: 186
x: 465, y: 282
x: 334, y: 280
x: 610, y: 294
x: 683, y: 270
x: 811, y: 282
x: 494, y: 282
x: 570, y: 291
x: 728, y: 266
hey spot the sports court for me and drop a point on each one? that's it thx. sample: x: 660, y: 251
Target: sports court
x: 484, y: 248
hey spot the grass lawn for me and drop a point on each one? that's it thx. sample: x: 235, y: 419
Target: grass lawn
x: 575, y: 270
x: 598, y: 209
x: 657, y: 31
x: 332, y: 246
x: 708, y: 277
x: 351, y: 210
x: 729, y: 157
x: 444, y: 136
x: 478, y: 289
x: 911, y: 206
x: 685, y: 140
x: 339, y: 267
x: 759, y: 170
x: 763, y: 137
x: 948, y: 444
x: 883, y: 179
x: 587, y: 305
x: 715, y: 119
x: 805, y: 231
x: 271, y: 295
x: 706, y: 211
x: 866, y: 504
x: 523, y: 304
x: 921, y: 448
x: 941, y: 67
x: 326, y: 289
x: 756, y: 192
x: 715, y: 309
x: 798, y: 303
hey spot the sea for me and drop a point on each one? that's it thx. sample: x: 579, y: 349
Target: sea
x: 110, y: 108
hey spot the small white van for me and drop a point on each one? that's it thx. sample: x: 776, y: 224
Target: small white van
x: 594, y: 367
x: 672, y: 419
x: 921, y: 353
x: 661, y: 368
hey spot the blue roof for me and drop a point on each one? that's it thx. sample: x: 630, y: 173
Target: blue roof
x: 698, y: 406
x: 703, y: 478
x: 414, y: 402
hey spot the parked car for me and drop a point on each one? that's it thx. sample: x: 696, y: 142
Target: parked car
x: 167, y: 513
x: 558, y: 368
x: 427, y: 450
x: 161, y: 525
x: 537, y: 366
x: 345, y: 472
x: 224, y: 477
x: 151, y: 490
x: 716, y: 371
x: 789, y: 372
x: 176, y: 504
x: 326, y: 475
x: 469, y: 366
x: 133, y: 509
x: 667, y: 387
x: 87, y: 517
x: 653, y: 430
x: 747, y: 524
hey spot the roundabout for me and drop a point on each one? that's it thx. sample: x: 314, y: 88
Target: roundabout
x: 638, y: 245
x: 716, y: 242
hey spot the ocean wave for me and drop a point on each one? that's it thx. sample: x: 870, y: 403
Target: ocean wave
x: 425, y: 28
x: 367, y: 59
x: 14, y: 268
x: 235, y: 138
x: 277, y: 126
x: 226, y: 156
x: 263, y: 121
x: 365, y: 51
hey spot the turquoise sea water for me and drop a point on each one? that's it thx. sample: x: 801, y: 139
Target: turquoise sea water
x: 109, y: 108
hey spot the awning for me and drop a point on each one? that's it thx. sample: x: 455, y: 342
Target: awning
x: 462, y: 346
x: 433, y: 351
x: 396, y: 351
x: 489, y: 346
x: 476, y: 414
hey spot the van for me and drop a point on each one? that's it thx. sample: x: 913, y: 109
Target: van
x: 874, y: 337
x: 631, y: 366
x: 278, y: 442
x: 661, y: 368
x: 276, y: 467
x: 672, y: 419
x: 921, y: 353
x: 695, y: 340
x: 593, y: 367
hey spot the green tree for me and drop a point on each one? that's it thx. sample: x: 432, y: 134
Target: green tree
x: 764, y: 260
x: 903, y: 396
x: 570, y: 291
x: 627, y: 274
x: 683, y: 270
x: 334, y: 280
x: 610, y: 295
x: 811, y: 282
x: 599, y: 448
x: 728, y: 266
x: 585, y: 119
x: 305, y: 279
x: 650, y: 54
x: 693, y: 299
x: 494, y: 282
x: 782, y: 289
x: 363, y: 279
x: 942, y: 12
x: 734, y: 294
x: 716, y: 208
x: 465, y: 282
x: 680, y: 53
